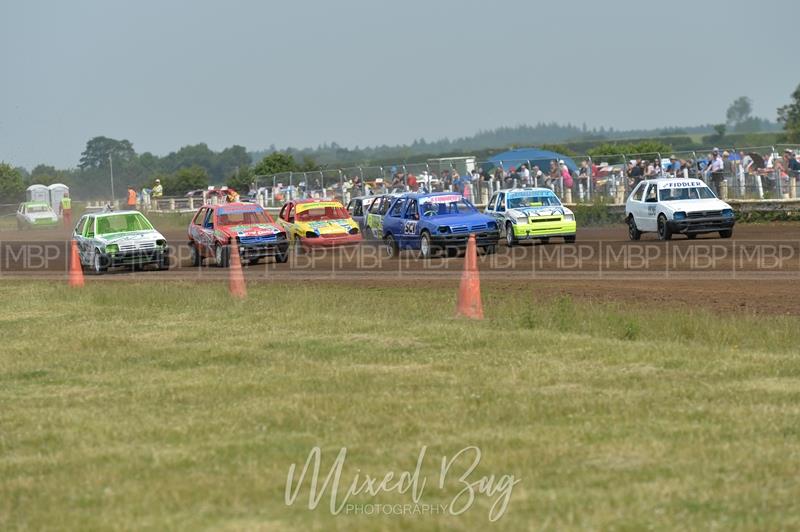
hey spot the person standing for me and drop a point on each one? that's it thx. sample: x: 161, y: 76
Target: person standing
x: 525, y: 176
x: 131, y: 198
x: 158, y: 191
x: 716, y: 169
x: 66, y: 210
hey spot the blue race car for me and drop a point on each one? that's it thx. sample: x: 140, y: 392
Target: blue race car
x: 433, y: 222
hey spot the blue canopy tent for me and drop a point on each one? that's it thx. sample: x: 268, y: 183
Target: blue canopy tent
x: 535, y: 157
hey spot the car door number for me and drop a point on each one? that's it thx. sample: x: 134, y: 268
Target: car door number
x: 410, y: 227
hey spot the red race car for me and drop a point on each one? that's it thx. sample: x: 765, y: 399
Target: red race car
x: 256, y: 233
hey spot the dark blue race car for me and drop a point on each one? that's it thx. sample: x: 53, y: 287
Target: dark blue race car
x: 437, y: 222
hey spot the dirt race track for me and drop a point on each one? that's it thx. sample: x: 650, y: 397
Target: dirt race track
x: 758, y: 270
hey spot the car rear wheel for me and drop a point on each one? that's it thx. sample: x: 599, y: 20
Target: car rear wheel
x: 197, y: 259
x: 727, y: 233
x: 664, y: 232
x: 222, y: 256
x: 511, y: 239
x: 569, y: 239
x: 282, y: 256
x: 390, y: 245
x: 633, y: 231
x: 691, y: 236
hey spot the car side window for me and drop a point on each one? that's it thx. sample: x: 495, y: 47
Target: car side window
x: 80, y: 226
x: 282, y: 213
x: 208, y: 222
x: 290, y: 214
x: 636, y: 195
x: 89, y: 231
x: 412, y: 211
x: 501, y: 202
x: 651, y: 196
x: 397, y: 208
x: 200, y: 216
x: 385, y: 203
x: 376, y: 205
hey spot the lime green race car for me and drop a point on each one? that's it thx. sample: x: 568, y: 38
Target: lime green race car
x: 35, y: 214
x: 531, y: 214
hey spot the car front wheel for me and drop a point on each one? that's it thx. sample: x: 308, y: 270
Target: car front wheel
x: 425, y: 248
x: 222, y: 256
x: 100, y: 264
x: 664, y: 232
x: 727, y: 233
x: 633, y: 231
x: 511, y: 239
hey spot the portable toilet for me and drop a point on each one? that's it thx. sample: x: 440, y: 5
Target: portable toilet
x: 38, y: 193
x: 57, y: 191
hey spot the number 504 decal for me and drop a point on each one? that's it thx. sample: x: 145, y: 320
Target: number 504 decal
x: 651, y: 210
x: 410, y: 228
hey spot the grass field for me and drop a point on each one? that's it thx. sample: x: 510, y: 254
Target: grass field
x: 170, y: 406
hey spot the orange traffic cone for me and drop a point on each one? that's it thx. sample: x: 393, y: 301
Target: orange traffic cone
x: 75, y: 270
x: 236, y: 284
x: 469, y: 293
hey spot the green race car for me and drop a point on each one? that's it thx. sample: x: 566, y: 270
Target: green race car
x: 35, y: 214
x: 531, y: 214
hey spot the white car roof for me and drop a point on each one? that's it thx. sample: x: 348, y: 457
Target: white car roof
x: 676, y: 182
x: 114, y: 213
x: 532, y: 189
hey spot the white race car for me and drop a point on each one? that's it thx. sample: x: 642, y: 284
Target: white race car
x: 124, y: 238
x: 669, y: 206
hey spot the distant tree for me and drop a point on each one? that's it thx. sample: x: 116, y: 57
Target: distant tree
x: 277, y: 163
x: 12, y: 186
x: 739, y: 110
x: 242, y: 179
x: 719, y: 130
x: 99, y: 149
x: 789, y: 116
x: 184, y: 180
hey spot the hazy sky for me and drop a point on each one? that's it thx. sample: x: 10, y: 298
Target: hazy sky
x: 164, y: 74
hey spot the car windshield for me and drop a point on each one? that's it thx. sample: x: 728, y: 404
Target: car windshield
x: 444, y: 206
x: 37, y: 208
x: 121, y: 223
x: 685, y: 193
x: 244, y: 218
x: 319, y: 213
x: 532, y: 199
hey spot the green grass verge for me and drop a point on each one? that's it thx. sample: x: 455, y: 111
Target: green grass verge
x: 170, y: 406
